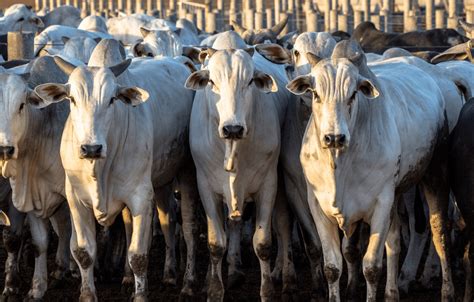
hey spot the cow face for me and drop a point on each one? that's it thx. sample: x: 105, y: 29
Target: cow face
x: 161, y: 42
x: 231, y: 81
x: 14, y: 96
x: 336, y: 87
x: 20, y: 17
x: 94, y: 94
x: 321, y: 44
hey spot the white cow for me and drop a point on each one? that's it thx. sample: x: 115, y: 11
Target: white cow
x: 127, y: 29
x: 363, y: 145
x: 29, y: 146
x: 52, y: 37
x: 94, y: 24
x: 158, y: 42
x: 235, y: 142
x: 76, y: 49
x: 122, y: 146
x: 20, y: 17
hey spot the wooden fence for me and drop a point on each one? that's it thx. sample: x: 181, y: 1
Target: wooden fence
x: 304, y: 15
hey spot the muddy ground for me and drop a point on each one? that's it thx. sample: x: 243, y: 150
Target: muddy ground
x: 110, y: 290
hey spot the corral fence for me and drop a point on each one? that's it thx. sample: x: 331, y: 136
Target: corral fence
x: 304, y: 15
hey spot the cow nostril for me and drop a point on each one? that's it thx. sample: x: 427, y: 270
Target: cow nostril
x: 98, y: 148
x: 233, y: 131
x: 328, y: 139
x: 225, y: 130
x: 84, y: 149
x: 10, y: 150
x: 341, y: 139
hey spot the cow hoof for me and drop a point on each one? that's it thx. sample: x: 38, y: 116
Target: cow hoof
x: 169, y: 279
x: 87, y: 296
x: 235, y: 280
x: 10, y: 298
x: 128, y: 285
x: 139, y: 298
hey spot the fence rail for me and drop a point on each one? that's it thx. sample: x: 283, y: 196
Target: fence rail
x: 303, y: 15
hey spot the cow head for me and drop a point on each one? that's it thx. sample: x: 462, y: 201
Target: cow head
x: 79, y: 47
x: 14, y: 96
x: 337, y: 86
x: 231, y: 80
x: 162, y: 42
x: 20, y: 17
x: 257, y: 36
x: 94, y: 94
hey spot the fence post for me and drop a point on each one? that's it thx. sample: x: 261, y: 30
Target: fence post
x: 20, y: 45
x: 366, y: 9
x: 343, y: 22
x: 358, y: 17
x: 332, y: 20
x: 411, y: 22
x: 429, y: 14
x: 210, y: 22
x: 233, y: 11
x: 200, y: 19
x: 439, y: 18
x: 259, y: 14
x: 387, y: 17
x: 269, y: 15
x: 327, y: 13
x: 312, y: 21
x: 452, y: 14
x: 277, y: 8
x: 84, y: 12
x: 249, y: 18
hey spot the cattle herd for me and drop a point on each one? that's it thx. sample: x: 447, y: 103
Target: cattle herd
x: 358, y: 148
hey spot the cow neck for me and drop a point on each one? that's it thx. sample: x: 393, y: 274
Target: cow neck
x: 234, y: 194
x: 37, y: 173
x: 335, y: 168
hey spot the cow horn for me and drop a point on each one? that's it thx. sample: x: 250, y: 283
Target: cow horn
x: 468, y: 27
x: 65, y: 66
x: 237, y: 28
x: 278, y: 28
x: 312, y: 59
x: 4, y: 220
x: 120, y: 67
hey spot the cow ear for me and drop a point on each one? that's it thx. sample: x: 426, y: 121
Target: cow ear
x: 192, y: 53
x: 197, y: 80
x: 144, y: 31
x: 264, y: 82
x: 300, y: 85
x: 132, y: 95
x: 36, y: 21
x: 367, y: 88
x: 274, y: 53
x: 49, y: 94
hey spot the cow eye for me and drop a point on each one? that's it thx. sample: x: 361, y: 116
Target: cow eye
x: 112, y: 101
x: 73, y: 101
x: 316, y: 97
x: 21, y: 19
x: 250, y: 83
x: 21, y: 107
x: 296, y: 53
x: 352, y: 98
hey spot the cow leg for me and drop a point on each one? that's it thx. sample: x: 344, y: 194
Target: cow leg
x: 12, y: 242
x: 141, y: 210
x: 297, y: 198
x: 128, y: 279
x: 189, y: 201
x: 351, y: 252
x: 329, y: 235
x: 392, y: 247
x: 235, y: 276
x: 83, y: 245
x: 282, y: 224
x: 437, y: 197
x: 61, y: 223
x: 468, y: 273
x: 167, y: 219
x: 217, y: 240
x: 379, y: 229
x: 431, y: 268
x: 416, y: 245
x: 39, y: 233
x: 262, y: 238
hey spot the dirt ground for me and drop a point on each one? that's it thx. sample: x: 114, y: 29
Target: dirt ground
x: 110, y: 290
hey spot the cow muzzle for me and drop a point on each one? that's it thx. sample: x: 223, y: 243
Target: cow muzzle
x: 233, y: 131
x: 91, y: 151
x: 335, y: 141
x: 7, y: 152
